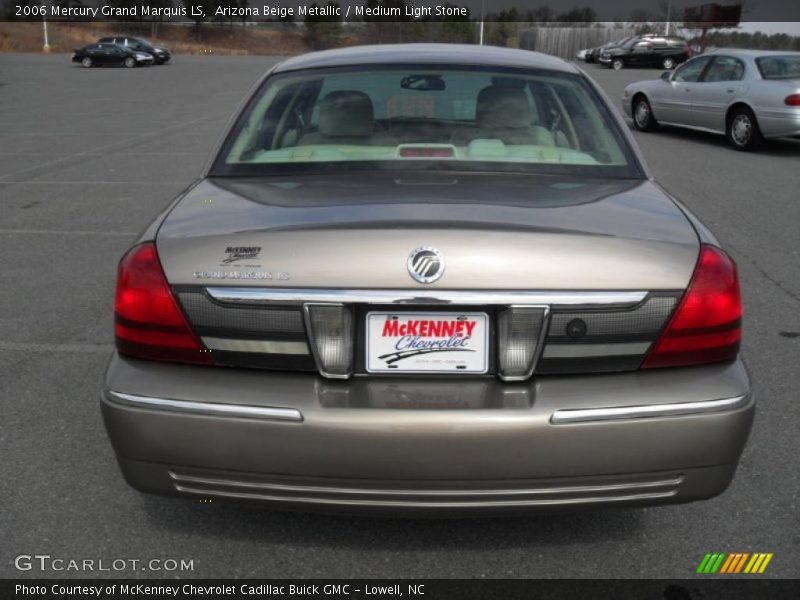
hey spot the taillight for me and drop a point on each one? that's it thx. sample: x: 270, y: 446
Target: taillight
x: 793, y: 100
x: 706, y: 326
x: 148, y: 321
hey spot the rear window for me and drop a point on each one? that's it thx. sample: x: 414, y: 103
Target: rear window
x: 449, y: 118
x: 779, y: 67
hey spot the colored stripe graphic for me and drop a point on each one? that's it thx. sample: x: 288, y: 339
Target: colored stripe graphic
x: 722, y: 563
x: 711, y: 563
x: 703, y: 563
x: 728, y: 564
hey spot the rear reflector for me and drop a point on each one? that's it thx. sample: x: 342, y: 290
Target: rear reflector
x: 706, y: 326
x: 330, y: 335
x: 148, y: 322
x: 793, y: 100
x: 519, y: 331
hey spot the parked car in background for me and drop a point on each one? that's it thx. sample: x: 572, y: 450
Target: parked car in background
x: 748, y: 95
x: 647, y: 51
x: 593, y: 54
x: 160, y: 54
x: 106, y: 55
x: 429, y: 279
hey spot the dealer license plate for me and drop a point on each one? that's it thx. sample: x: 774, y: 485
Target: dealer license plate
x: 427, y: 342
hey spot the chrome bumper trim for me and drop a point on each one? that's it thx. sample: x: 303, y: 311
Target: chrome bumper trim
x: 482, y: 298
x: 427, y: 504
x: 258, y: 346
x: 592, y: 350
x: 309, y: 489
x: 583, y: 415
x: 215, y: 409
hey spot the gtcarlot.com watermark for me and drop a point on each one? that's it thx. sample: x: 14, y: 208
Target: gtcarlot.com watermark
x: 48, y: 563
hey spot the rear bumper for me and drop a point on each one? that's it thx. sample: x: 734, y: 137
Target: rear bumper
x: 779, y: 123
x: 437, y: 447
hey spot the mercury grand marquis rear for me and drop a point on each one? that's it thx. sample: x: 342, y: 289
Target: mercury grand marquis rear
x: 428, y: 280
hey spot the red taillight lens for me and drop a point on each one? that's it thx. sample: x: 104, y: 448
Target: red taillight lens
x: 793, y: 100
x: 707, y: 325
x: 148, y: 321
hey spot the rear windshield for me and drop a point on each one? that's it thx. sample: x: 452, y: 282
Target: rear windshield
x: 779, y: 67
x: 434, y: 118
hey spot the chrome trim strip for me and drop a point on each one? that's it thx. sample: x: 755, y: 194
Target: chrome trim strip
x: 583, y: 415
x: 423, y: 504
x: 206, y: 408
x: 587, y: 350
x: 579, y: 489
x: 300, y: 295
x: 259, y: 346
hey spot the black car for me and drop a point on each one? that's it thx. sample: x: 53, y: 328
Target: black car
x: 647, y: 51
x: 160, y: 54
x: 103, y: 55
x: 593, y: 54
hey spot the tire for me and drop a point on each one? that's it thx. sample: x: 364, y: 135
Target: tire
x: 643, y: 118
x: 742, y: 130
x: 86, y: 62
x: 617, y: 64
x: 129, y: 62
x: 668, y: 63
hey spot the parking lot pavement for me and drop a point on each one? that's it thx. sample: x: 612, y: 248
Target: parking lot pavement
x: 89, y: 156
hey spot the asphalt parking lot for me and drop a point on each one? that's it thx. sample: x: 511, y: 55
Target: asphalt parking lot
x: 89, y: 156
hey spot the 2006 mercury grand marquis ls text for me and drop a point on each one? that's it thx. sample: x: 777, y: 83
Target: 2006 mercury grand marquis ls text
x: 428, y: 279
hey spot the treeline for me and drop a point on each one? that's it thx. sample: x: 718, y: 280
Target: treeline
x: 328, y: 31
x: 753, y: 41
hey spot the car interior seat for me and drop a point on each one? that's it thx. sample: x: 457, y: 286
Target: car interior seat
x: 347, y: 117
x: 503, y: 113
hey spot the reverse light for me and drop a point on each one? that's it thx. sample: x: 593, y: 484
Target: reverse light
x: 148, y: 323
x: 793, y: 100
x: 519, y: 332
x: 707, y: 325
x: 330, y: 335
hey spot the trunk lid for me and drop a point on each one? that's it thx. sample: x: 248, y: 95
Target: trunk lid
x: 495, y: 232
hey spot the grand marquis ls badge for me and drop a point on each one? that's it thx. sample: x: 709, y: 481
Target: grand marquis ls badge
x: 425, y: 264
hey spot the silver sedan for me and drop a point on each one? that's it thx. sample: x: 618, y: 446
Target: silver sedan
x: 747, y: 95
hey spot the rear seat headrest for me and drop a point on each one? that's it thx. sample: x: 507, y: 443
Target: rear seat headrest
x: 503, y: 106
x: 346, y: 113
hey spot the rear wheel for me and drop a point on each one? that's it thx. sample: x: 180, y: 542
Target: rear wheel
x: 742, y: 131
x: 668, y: 63
x: 643, y: 118
x: 617, y: 64
x: 130, y: 62
x: 86, y: 62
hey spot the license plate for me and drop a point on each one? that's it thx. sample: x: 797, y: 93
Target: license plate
x: 432, y: 342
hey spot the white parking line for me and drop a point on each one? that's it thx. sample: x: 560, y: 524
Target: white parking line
x: 66, y: 232
x: 73, y: 348
x: 118, y: 144
x: 47, y: 182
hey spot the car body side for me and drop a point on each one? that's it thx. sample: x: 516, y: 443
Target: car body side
x: 676, y: 103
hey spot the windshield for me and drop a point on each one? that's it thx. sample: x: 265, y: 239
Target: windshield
x: 441, y: 118
x: 779, y: 67
x: 143, y: 44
